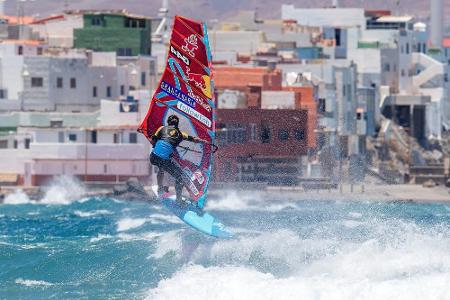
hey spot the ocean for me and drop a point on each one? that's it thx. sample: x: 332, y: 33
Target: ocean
x: 68, y: 247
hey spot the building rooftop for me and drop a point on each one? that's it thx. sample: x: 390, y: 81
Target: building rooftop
x: 121, y: 12
x: 240, y: 77
x: 394, y: 19
x: 23, y: 42
x: 18, y: 20
x: 49, y: 18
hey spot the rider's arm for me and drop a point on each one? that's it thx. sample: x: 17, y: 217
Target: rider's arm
x: 192, y: 138
x: 156, y: 136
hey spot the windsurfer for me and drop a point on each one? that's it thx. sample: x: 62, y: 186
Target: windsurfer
x: 165, y: 140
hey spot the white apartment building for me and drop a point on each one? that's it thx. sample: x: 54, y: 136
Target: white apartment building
x: 104, y: 146
x: 34, y: 78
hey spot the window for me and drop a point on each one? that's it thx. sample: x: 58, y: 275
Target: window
x: 322, y: 105
x: 124, y: 52
x: 39, y: 51
x: 299, y: 135
x: 72, y: 137
x: 231, y: 134
x: 265, y: 133
x: 73, y: 83
x: 94, y: 91
x: 59, y: 82
x: 122, y: 90
x: 407, y: 48
x: 27, y: 143
x: 94, y: 136
x: 387, y: 67
x: 105, y: 169
x: 419, y: 48
x: 15, y: 144
x: 56, y: 123
x: 20, y: 50
x: 143, y: 78
x: 4, y: 144
x: 3, y: 94
x: 132, y: 88
x: 133, y: 138
x: 96, y: 21
x: 403, y: 73
x: 116, y: 138
x: 283, y: 135
x: 108, y: 92
x: 337, y: 35
x: 37, y: 81
x: 142, y: 24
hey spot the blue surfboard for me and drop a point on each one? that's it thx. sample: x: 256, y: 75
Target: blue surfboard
x: 193, y: 216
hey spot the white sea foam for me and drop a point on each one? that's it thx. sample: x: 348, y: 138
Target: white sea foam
x: 169, y: 242
x: 232, y: 201
x: 87, y: 214
x: 129, y: 223
x: 100, y: 237
x: 29, y: 283
x: 18, y: 197
x: 163, y: 219
x: 197, y: 282
x: 355, y: 215
x: 400, y: 261
x: 352, y: 223
x: 63, y: 190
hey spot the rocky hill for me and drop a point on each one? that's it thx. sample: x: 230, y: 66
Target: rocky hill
x: 219, y: 9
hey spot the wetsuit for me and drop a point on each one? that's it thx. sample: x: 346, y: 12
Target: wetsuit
x: 166, y: 139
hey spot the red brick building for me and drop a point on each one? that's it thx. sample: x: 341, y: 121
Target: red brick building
x: 252, y: 138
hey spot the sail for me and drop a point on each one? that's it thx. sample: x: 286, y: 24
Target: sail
x: 186, y: 89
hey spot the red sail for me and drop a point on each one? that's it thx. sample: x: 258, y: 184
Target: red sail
x: 186, y: 89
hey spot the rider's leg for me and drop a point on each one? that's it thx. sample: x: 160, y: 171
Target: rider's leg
x: 160, y: 180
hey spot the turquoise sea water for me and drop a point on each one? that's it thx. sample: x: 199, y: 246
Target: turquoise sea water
x: 101, y: 248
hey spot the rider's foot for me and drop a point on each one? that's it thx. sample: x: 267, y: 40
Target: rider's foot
x: 163, y: 189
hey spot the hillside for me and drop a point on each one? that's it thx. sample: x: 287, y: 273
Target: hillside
x: 219, y: 9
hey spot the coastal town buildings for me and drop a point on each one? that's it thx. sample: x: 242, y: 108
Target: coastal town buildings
x: 299, y: 98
